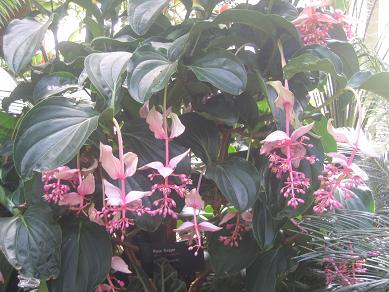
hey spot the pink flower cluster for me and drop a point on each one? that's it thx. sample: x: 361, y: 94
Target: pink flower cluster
x: 315, y: 25
x: 164, y: 171
x: 285, y: 151
x: 237, y: 229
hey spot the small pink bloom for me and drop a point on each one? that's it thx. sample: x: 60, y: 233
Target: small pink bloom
x: 65, y: 173
x: 274, y: 140
x: 285, y: 99
x: 247, y: 216
x: 193, y: 200
x: 71, y: 199
x: 87, y: 186
x: 114, y: 195
x: 163, y: 170
x: 228, y: 217
x: 176, y: 128
x: 144, y: 110
x: 203, y: 226
x: 112, y: 165
x: 103, y: 288
x: 209, y: 227
x: 118, y: 264
x: 155, y: 121
x: 93, y: 215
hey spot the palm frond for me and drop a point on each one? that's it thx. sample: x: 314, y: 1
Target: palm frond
x: 8, y: 8
x: 349, y: 236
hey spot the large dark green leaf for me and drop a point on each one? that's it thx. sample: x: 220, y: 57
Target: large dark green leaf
x: 22, y: 39
x: 222, y: 69
x: 86, y: 257
x: 166, y: 277
x: 31, y: 242
x: 54, y: 84
x: 238, y: 181
x: 347, y: 54
x: 201, y: 136
x: 377, y: 83
x: 227, y: 260
x: 310, y: 63
x: 51, y: 134
x: 23, y: 91
x: 149, y: 73
x: 105, y: 70
x: 265, y: 227
x: 263, y: 273
x: 143, y: 13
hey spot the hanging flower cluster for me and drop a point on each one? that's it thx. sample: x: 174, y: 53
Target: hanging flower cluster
x: 117, y: 265
x: 285, y: 151
x: 191, y: 230
x: 118, y: 201
x: 314, y: 24
x: 237, y: 229
x: 66, y: 186
x: 164, y: 171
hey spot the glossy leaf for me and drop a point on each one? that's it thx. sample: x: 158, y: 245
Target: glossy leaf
x: 238, y: 181
x: 229, y: 260
x: 31, y: 242
x: 105, y: 70
x: 54, y: 84
x: 262, y: 275
x: 222, y: 69
x: 377, y: 83
x: 201, y: 136
x: 22, y: 39
x: 85, y: 257
x: 348, y: 56
x: 143, y: 13
x: 361, y: 200
x: 51, y: 134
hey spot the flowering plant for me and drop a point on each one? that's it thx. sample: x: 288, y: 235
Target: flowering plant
x: 158, y: 132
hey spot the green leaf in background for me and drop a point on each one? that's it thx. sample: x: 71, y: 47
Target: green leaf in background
x: 262, y: 275
x: 347, y: 54
x: 226, y: 260
x: 361, y: 200
x: 105, y: 70
x: 51, y: 134
x: 222, y: 69
x: 377, y: 83
x: 310, y: 63
x: 143, y: 13
x: 148, y: 73
x: 326, y: 139
x: 7, y: 126
x: 31, y: 242
x: 86, y: 257
x: 91, y: 7
x: 201, y: 136
x: 95, y: 28
x: 265, y: 227
x: 53, y: 84
x: 238, y: 181
x: 22, y: 39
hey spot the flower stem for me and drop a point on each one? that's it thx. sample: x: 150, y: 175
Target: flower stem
x: 121, y: 158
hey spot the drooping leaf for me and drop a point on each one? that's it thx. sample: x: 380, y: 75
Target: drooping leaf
x: 201, y: 136
x: 54, y: 84
x: 51, y: 134
x: 143, y: 13
x: 377, y: 83
x: 22, y: 39
x: 149, y: 73
x: 105, y: 70
x: 228, y: 260
x: 347, y: 54
x: 222, y: 69
x: 31, y: 242
x: 238, y: 181
x: 166, y: 277
x: 263, y: 273
x: 85, y: 257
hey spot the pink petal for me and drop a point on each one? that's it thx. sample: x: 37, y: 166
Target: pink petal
x: 336, y: 133
x: 206, y: 226
x: 285, y: 96
x: 193, y: 200
x: 113, y: 194
x: 65, y: 173
x: 247, y: 216
x: 131, y: 163
x: 155, y: 121
x: 228, y: 217
x: 71, y: 199
x: 118, y: 264
x: 175, y: 160
x: 301, y: 131
x: 164, y: 171
x: 87, y: 186
x: 338, y: 158
x: 358, y: 171
x: 136, y: 195
x: 297, y: 152
x: 176, y: 128
x: 110, y: 163
x: 144, y: 110
x: 274, y: 140
x: 184, y: 227
x: 93, y: 215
